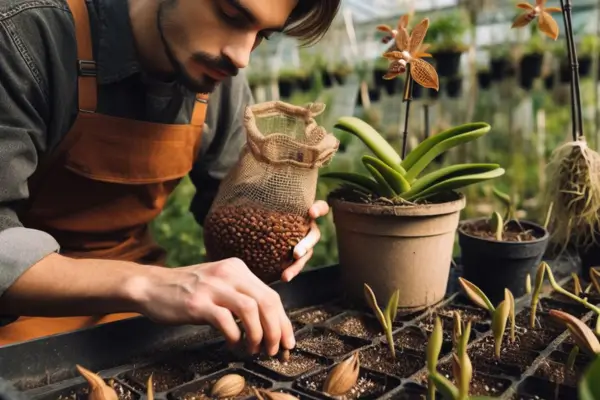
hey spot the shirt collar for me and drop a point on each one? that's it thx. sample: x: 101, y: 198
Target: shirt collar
x: 116, y: 54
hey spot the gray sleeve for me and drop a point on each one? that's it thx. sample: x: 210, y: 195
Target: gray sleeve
x: 25, y: 111
x: 223, y: 138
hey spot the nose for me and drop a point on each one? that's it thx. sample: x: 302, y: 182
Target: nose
x: 239, y: 48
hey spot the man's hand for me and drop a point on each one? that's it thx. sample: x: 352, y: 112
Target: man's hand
x: 216, y: 293
x: 304, y: 250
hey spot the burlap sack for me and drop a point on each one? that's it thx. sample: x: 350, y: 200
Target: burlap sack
x: 261, y: 210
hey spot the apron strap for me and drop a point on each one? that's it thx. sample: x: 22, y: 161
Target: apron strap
x: 85, y: 58
x: 200, y: 106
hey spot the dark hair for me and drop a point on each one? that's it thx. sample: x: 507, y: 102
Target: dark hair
x: 311, y: 19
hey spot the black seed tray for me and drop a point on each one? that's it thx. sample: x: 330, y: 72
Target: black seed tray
x: 185, y: 361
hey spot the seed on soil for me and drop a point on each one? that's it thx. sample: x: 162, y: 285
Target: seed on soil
x: 83, y: 393
x: 325, y: 344
x: 363, y: 388
x: 378, y: 358
x: 314, y: 316
x: 262, y: 238
x: 342, y: 377
x: 229, y: 385
x: 481, y: 385
x: 358, y: 326
x: 555, y: 372
x: 203, y: 391
x: 164, y: 377
x: 297, y: 364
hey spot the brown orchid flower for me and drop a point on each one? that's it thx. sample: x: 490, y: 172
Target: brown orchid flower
x: 546, y: 22
x: 391, y: 33
x: 411, y: 50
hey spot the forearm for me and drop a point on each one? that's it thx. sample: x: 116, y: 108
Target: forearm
x: 62, y: 286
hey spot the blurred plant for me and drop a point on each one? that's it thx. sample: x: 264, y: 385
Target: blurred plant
x: 545, y: 21
x: 448, y: 29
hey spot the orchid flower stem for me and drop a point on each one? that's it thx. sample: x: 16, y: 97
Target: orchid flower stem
x: 570, y: 295
x: 408, y: 89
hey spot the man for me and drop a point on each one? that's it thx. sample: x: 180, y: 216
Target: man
x: 103, y: 104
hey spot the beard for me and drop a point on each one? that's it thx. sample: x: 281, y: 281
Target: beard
x: 204, y: 84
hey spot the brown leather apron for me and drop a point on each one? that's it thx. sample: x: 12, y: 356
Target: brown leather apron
x: 108, y: 179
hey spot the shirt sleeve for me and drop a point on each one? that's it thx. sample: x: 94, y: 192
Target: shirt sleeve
x: 24, y: 119
x: 222, y: 141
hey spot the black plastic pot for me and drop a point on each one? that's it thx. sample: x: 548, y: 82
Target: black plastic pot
x: 305, y: 84
x: 378, y: 80
x: 454, y: 87
x: 286, y: 87
x: 484, y: 78
x: 417, y: 91
x: 390, y: 86
x: 494, y: 265
x: 526, y: 81
x: 590, y: 257
x: 531, y: 66
x: 549, y: 82
x: 447, y: 62
x: 327, y: 79
x: 498, y: 68
x: 585, y: 66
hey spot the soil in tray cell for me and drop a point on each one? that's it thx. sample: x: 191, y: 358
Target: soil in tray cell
x: 164, y: 377
x: 512, y: 360
x: 593, y: 297
x: 546, y: 330
x: 537, y: 388
x: 368, y: 385
x: 475, y: 315
x: 555, y: 372
x: 82, y: 392
x: 565, y: 348
x: 574, y: 309
x: 326, y: 344
x: 360, y: 326
x: 378, y: 358
x: 204, y: 361
x: 481, y: 384
x: 201, y: 390
x: 315, y: 315
x: 412, y: 338
x: 299, y: 363
x: 411, y: 391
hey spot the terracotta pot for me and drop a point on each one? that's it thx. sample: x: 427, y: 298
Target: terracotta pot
x: 493, y: 265
x: 396, y: 247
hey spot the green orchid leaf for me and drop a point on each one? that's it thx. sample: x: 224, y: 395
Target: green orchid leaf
x: 384, y: 188
x: 497, y: 225
x: 372, y: 139
x: 353, y: 178
x: 394, y: 179
x: 589, y: 385
x: 425, y: 153
x: 456, y: 182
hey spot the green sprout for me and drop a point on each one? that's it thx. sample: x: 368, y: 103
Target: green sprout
x: 401, y: 181
x: 462, y: 369
x: 386, y: 318
x: 544, y: 269
x: 535, y: 298
x: 457, y: 330
x: 499, y: 314
x: 571, y: 359
x: 577, y: 290
x: 528, y: 284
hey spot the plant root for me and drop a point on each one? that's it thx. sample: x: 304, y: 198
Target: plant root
x: 574, y: 188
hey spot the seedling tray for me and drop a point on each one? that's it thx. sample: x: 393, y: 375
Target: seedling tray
x: 185, y: 361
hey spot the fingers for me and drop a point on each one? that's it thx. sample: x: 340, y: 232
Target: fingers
x: 222, y: 320
x: 276, y: 327
x: 247, y: 310
x: 293, y: 270
x: 308, y: 242
x: 319, y: 209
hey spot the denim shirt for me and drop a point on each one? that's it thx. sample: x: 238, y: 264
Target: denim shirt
x: 38, y: 105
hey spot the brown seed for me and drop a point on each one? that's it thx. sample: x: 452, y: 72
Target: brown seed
x: 99, y: 390
x: 269, y: 395
x: 228, y: 386
x: 285, y: 355
x: 343, y: 376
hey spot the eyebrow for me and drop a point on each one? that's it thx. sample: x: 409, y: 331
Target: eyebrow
x: 251, y: 17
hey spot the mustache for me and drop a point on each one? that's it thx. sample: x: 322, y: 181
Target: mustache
x: 219, y: 63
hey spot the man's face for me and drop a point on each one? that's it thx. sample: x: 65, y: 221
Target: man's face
x: 209, y: 40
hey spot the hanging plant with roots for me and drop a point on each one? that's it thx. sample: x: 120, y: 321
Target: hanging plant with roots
x: 574, y: 168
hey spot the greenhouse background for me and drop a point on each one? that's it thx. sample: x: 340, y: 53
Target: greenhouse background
x: 516, y: 80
